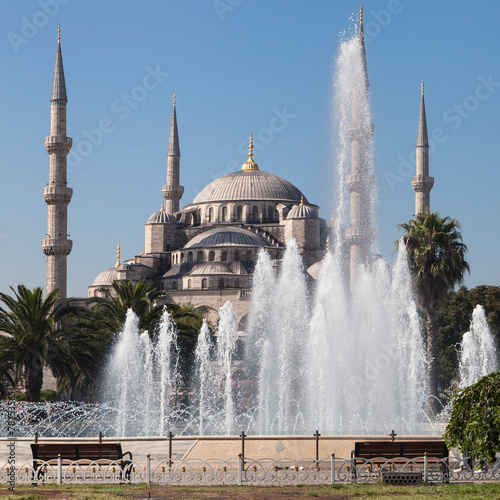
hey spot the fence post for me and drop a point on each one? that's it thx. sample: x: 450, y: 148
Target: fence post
x: 148, y: 468
x: 332, y: 479
x: 170, y: 437
x: 426, y: 468
x: 240, y: 469
x: 59, y: 469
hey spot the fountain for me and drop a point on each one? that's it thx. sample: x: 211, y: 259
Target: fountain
x: 344, y: 355
x: 477, y: 355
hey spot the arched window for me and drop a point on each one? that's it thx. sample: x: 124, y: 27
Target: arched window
x: 211, y: 256
x: 210, y: 214
x: 249, y: 255
x: 255, y: 213
x: 182, y: 258
x: 238, y: 353
x: 236, y: 283
x: 199, y: 257
x: 239, y: 213
x: 270, y: 212
x: 189, y: 283
x: 174, y: 285
x: 221, y: 282
x: 190, y: 256
x: 224, y: 256
x: 237, y: 255
x: 204, y: 283
x: 224, y: 214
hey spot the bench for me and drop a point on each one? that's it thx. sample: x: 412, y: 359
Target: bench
x: 84, y: 453
x: 399, y: 452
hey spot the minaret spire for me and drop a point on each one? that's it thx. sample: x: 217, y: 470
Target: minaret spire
x: 359, y: 235
x: 422, y: 183
x: 362, y: 43
x: 57, y: 195
x: 173, y: 191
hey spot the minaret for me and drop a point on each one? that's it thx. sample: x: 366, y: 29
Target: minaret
x: 173, y: 191
x: 57, y: 195
x: 422, y: 183
x: 359, y: 234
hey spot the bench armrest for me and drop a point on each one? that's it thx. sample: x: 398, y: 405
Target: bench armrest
x: 127, y: 453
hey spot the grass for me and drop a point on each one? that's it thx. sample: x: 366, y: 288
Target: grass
x: 376, y: 491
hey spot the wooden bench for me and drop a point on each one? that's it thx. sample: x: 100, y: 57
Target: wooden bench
x: 84, y: 453
x: 379, y: 452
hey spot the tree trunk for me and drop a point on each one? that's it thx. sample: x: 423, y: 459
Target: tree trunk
x: 432, y: 365
x: 33, y: 379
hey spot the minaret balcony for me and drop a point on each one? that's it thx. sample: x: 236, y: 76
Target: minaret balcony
x: 57, y: 246
x: 58, y: 144
x: 359, y: 236
x: 422, y: 183
x: 57, y: 195
x: 171, y: 192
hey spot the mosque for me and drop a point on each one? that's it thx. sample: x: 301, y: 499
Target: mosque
x: 204, y: 253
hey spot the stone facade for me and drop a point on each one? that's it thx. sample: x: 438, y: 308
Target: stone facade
x: 205, y: 253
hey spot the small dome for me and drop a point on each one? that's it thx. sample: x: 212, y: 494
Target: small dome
x: 106, y: 278
x: 226, y: 236
x: 162, y: 217
x: 313, y: 270
x: 210, y: 268
x: 302, y: 212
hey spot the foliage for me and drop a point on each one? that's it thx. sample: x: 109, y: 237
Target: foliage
x: 454, y: 320
x: 437, y: 262
x: 475, y: 420
x: 142, y: 298
x: 35, y: 337
x: 145, y: 300
x: 188, y: 321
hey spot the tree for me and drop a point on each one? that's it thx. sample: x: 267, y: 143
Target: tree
x: 189, y: 321
x: 437, y: 262
x: 474, y: 425
x: 33, y: 336
x: 145, y: 300
x: 454, y: 320
x: 142, y: 298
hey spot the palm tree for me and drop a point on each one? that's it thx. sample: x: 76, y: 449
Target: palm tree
x: 189, y: 321
x: 142, y: 298
x: 437, y: 263
x: 145, y: 300
x: 33, y: 336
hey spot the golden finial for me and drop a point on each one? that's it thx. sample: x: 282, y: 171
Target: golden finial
x: 58, y: 32
x: 118, y: 256
x: 361, y: 14
x: 250, y: 147
x: 250, y: 164
x: 174, y: 97
x: 162, y: 207
x: 422, y: 87
x: 302, y: 201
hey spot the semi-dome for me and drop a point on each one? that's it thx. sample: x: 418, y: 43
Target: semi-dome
x: 302, y: 212
x: 313, y: 270
x: 226, y: 236
x: 210, y: 268
x: 106, y: 278
x: 247, y: 185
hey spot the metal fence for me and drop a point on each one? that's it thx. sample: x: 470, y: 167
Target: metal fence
x: 248, y: 471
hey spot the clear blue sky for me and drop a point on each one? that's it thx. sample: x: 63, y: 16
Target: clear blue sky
x: 236, y: 64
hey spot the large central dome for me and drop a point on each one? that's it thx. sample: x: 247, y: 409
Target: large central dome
x: 249, y: 185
